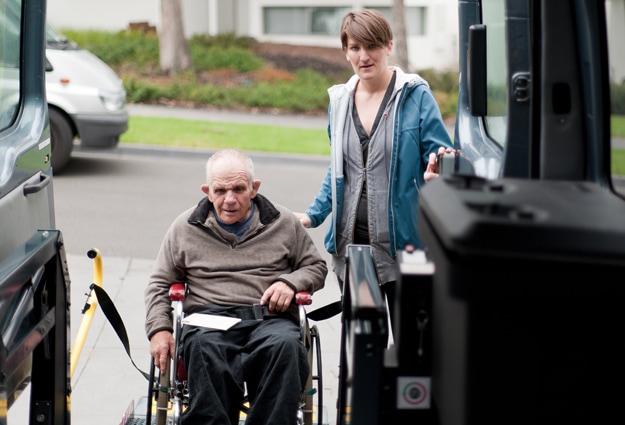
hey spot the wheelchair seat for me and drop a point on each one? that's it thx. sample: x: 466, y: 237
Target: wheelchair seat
x: 168, y: 395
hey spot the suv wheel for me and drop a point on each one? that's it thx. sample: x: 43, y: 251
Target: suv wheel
x: 62, y: 139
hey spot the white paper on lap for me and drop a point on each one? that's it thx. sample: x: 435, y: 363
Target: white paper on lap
x: 211, y: 321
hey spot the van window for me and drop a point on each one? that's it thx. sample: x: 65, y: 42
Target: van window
x: 615, y: 21
x: 10, y: 34
x: 495, y: 121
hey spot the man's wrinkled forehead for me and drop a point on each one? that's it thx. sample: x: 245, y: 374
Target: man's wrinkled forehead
x: 229, y: 176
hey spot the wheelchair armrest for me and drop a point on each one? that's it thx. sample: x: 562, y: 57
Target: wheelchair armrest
x: 303, y: 298
x: 177, y: 291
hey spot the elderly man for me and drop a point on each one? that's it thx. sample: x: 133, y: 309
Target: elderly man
x: 236, y: 249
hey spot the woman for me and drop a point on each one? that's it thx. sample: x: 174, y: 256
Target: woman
x: 385, y: 130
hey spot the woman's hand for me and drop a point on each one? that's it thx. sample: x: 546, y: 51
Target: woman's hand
x: 304, y: 219
x: 430, y: 170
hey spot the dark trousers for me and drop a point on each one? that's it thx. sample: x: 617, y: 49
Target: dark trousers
x: 268, y: 356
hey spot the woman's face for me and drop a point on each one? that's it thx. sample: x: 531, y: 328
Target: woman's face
x: 368, y: 61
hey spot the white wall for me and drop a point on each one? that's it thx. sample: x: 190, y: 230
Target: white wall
x: 109, y: 15
x: 437, y: 49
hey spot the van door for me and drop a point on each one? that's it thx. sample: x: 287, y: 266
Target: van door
x: 34, y: 284
x: 522, y: 109
x: 529, y: 248
x: 26, y: 203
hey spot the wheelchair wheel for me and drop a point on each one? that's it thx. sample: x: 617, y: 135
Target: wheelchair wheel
x: 162, y: 398
x: 319, y: 375
x: 313, y: 396
x: 167, y: 398
x: 158, y: 397
x: 152, y: 391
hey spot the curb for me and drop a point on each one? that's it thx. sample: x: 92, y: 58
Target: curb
x: 130, y: 149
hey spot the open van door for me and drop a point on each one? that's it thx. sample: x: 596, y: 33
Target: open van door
x: 528, y: 237
x: 34, y: 283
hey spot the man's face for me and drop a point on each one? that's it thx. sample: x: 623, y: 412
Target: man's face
x: 231, y: 192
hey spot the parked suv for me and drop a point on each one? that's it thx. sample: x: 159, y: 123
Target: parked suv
x: 86, y: 99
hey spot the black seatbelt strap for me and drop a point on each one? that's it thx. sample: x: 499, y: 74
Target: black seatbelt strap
x: 326, y: 311
x: 110, y: 311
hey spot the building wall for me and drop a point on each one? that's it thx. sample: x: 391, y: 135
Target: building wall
x: 109, y: 15
x: 437, y: 48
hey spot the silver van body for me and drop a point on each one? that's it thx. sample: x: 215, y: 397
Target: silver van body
x: 87, y: 100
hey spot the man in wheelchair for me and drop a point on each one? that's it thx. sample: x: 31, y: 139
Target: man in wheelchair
x: 234, y: 250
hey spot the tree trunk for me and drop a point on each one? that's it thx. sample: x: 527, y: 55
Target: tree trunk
x: 399, y: 32
x: 174, y: 51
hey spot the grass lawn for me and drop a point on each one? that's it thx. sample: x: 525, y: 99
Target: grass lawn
x: 213, y: 135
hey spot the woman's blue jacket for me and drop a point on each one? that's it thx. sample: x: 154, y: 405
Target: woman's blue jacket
x: 418, y: 130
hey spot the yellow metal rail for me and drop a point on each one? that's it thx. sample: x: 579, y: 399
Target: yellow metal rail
x: 88, y: 310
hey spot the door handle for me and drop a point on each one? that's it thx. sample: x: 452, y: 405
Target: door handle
x: 44, y: 180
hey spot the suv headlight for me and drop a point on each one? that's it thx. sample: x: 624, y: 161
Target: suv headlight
x: 113, y: 101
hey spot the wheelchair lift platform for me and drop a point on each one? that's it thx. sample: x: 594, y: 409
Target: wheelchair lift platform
x: 136, y: 415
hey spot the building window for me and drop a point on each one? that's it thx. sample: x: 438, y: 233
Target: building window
x: 303, y: 20
x: 415, y: 19
x: 327, y: 20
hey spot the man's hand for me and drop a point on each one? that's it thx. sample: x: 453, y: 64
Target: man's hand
x: 278, y: 297
x: 161, y: 348
x: 430, y: 171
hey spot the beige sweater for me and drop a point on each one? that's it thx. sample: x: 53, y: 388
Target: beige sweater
x: 218, y: 269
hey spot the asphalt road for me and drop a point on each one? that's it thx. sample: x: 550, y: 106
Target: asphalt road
x: 124, y: 200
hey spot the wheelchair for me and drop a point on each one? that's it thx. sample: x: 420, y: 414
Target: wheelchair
x: 168, y: 394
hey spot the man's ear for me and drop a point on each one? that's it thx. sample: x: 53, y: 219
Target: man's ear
x: 255, y: 186
x: 206, y: 190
